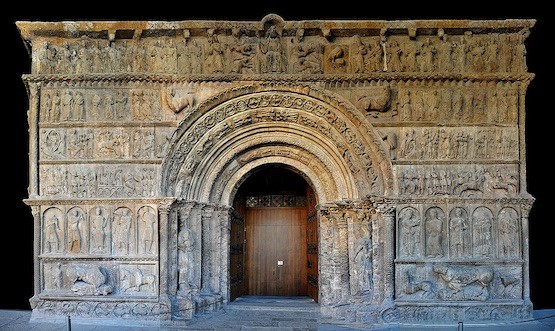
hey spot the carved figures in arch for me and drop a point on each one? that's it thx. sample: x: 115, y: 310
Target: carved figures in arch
x: 100, y: 231
x: 464, y: 282
x: 148, y: 230
x: 137, y: 279
x: 76, y: 230
x: 434, y: 232
x: 459, y: 233
x: 54, y: 230
x: 508, y: 228
x: 89, y: 279
x: 482, y: 226
x: 410, y: 237
x: 122, y: 231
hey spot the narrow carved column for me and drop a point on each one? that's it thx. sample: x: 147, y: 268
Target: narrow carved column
x: 180, y: 267
x: 388, y: 215
x: 164, y: 211
x: 225, y: 228
x: 206, y: 217
x: 525, y: 212
x: 35, y: 210
x: 33, y: 122
x: 343, y: 255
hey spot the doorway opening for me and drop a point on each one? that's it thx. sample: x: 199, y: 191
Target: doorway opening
x: 274, y: 235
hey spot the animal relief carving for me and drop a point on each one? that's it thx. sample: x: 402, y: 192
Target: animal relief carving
x: 89, y: 279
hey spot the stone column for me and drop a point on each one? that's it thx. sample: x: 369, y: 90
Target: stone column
x: 33, y: 122
x: 524, y: 214
x: 206, y: 261
x: 342, y: 254
x: 388, y: 219
x: 164, y: 208
x: 225, y: 228
x: 35, y: 210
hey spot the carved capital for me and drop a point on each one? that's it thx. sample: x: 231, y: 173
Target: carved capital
x: 35, y: 210
x: 386, y: 210
x: 164, y: 206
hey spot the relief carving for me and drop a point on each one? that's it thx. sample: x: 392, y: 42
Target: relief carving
x: 410, y: 234
x: 88, y: 279
x: 178, y: 99
x: 482, y: 223
x: 307, y: 57
x: 54, y: 230
x: 54, y: 144
x: 100, y: 231
x: 148, y: 230
x: 136, y: 279
x: 272, y: 57
x: 464, y: 283
x: 459, y: 233
x: 474, y: 181
x: 123, y: 240
x: 509, y: 242
x: 434, y: 232
x: 76, y: 230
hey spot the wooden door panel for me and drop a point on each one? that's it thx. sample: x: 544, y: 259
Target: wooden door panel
x: 276, y: 234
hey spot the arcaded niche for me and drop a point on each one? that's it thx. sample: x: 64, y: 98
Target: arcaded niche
x: 408, y: 136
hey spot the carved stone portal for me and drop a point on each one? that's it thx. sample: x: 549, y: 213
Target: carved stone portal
x: 410, y: 133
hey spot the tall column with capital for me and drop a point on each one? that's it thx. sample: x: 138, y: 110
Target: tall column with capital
x: 164, y: 209
x: 206, y: 220
x: 525, y: 212
x: 33, y: 122
x: 225, y: 228
x: 35, y: 210
x: 388, y: 219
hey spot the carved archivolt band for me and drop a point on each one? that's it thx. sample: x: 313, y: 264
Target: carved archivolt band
x: 217, y: 123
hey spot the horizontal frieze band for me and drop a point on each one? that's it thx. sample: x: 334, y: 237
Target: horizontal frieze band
x: 470, y: 303
x: 44, y: 201
x: 460, y: 261
x: 101, y: 161
x: 437, y: 162
x: 73, y: 125
x: 116, y: 29
x: 100, y: 258
x: 111, y: 298
x: 324, y: 78
x: 524, y: 198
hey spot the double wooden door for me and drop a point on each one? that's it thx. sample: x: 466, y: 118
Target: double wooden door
x: 276, y: 251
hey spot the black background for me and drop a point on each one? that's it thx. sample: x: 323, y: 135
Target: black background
x: 16, y: 231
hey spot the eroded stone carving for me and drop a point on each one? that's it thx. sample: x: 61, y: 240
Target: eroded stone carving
x: 89, y: 279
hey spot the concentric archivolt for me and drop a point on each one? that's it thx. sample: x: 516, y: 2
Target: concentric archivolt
x: 321, y: 133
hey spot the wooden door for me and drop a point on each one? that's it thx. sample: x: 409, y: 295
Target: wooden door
x: 312, y: 254
x: 276, y: 251
x: 237, y: 256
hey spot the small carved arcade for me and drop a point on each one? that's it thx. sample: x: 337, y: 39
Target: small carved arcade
x: 410, y: 133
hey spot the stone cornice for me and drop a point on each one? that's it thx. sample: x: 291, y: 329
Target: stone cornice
x: 327, y: 28
x: 285, y: 78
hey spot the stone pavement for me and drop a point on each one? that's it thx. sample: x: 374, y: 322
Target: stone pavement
x: 264, y: 314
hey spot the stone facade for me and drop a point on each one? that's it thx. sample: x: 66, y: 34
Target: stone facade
x: 411, y: 134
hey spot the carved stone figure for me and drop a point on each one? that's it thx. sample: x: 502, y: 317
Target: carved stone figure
x: 272, y: 51
x: 148, y: 228
x: 99, y: 231
x: 508, y: 232
x: 52, y: 234
x: 483, y: 237
x: 136, y: 280
x: 410, y: 232
x: 458, y: 233
x: 434, y: 233
x: 121, y: 231
x: 186, y: 247
x: 464, y: 283
x: 75, y: 230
